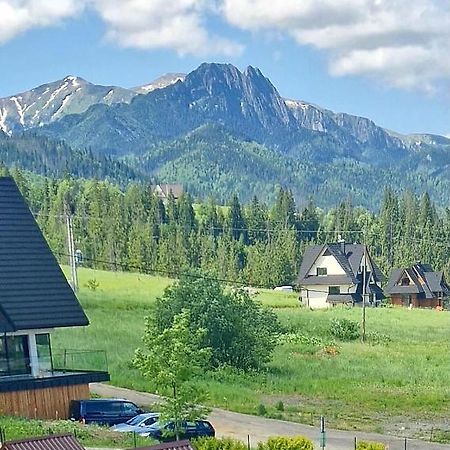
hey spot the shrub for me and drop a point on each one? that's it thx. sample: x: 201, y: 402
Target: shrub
x: 344, y: 329
x: 208, y: 443
x: 262, y: 411
x: 279, y: 406
x: 370, y: 446
x: 92, y: 284
x: 285, y: 443
x: 376, y: 338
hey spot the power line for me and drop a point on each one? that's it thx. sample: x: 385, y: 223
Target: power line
x: 175, y: 273
x: 223, y: 229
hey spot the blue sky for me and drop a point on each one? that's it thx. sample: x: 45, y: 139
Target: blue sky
x: 384, y: 67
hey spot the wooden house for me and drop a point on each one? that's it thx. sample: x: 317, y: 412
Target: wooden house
x: 37, y: 380
x: 333, y: 274
x: 417, y: 286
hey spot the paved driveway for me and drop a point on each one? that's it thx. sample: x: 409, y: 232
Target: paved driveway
x: 240, y: 426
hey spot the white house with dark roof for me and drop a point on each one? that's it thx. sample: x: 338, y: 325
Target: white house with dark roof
x: 333, y: 274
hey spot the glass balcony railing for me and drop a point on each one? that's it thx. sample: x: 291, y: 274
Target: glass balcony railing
x: 79, y: 361
x: 60, y: 361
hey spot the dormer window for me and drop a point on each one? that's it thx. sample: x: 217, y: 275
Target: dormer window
x: 404, y: 281
x: 321, y: 271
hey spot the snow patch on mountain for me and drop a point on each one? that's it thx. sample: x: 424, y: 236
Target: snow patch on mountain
x: 160, y: 83
x: 3, y: 115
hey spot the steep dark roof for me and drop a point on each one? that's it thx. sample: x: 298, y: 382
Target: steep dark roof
x: 52, y: 442
x: 34, y: 292
x: 176, y: 445
x: 310, y: 255
x: 425, y: 281
x: 343, y: 260
x: 349, y: 257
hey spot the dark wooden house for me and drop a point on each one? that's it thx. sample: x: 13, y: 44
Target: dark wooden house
x: 35, y: 298
x: 417, y: 287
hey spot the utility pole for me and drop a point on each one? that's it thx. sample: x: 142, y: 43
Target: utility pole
x: 71, y: 247
x: 391, y: 253
x: 323, y: 436
x: 363, y: 335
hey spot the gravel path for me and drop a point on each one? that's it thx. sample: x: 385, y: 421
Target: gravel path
x: 239, y: 426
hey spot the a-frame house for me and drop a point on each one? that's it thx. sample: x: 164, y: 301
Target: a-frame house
x: 35, y: 298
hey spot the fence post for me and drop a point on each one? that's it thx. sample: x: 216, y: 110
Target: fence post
x: 65, y: 360
x: 405, y: 443
x: 248, y: 442
x: 134, y: 439
x: 356, y: 442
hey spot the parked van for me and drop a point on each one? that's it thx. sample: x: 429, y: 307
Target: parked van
x: 104, y: 411
x: 284, y: 289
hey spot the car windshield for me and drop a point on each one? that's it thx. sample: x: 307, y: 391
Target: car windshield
x: 135, y: 420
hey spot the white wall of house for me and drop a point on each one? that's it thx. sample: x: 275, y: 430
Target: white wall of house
x: 315, y: 296
x: 330, y: 262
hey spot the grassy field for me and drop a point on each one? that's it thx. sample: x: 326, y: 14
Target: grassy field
x: 400, y: 378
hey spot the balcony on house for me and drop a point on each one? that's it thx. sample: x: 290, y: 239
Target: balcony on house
x: 28, y: 360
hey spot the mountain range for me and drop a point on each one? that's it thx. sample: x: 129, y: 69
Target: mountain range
x: 218, y: 130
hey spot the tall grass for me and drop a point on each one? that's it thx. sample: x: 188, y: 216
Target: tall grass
x: 401, y: 371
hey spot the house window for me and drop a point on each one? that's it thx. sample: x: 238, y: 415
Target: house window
x: 405, y: 281
x: 334, y: 290
x: 44, y: 352
x: 14, y: 355
x: 321, y: 271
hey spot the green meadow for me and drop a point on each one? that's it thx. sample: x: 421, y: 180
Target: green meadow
x: 399, y: 376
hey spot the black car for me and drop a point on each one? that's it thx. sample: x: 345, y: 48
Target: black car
x: 103, y: 411
x: 164, y: 431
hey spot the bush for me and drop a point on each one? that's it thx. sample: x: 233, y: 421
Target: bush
x: 208, y: 443
x: 370, y: 446
x: 285, y: 443
x: 92, y: 284
x: 262, y: 411
x: 240, y: 331
x: 345, y: 329
x: 376, y: 338
x: 279, y: 406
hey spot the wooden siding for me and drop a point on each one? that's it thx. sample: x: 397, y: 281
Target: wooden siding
x: 416, y: 302
x: 46, y: 403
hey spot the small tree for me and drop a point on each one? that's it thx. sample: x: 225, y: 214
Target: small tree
x: 239, y: 330
x: 172, y: 359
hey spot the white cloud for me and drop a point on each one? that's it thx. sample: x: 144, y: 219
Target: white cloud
x: 149, y: 24
x: 145, y: 24
x: 401, y: 42
x: 404, y: 43
x: 18, y: 16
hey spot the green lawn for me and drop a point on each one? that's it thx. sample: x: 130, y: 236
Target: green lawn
x: 402, y: 372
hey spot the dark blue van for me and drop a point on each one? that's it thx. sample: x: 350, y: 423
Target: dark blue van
x: 103, y: 411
